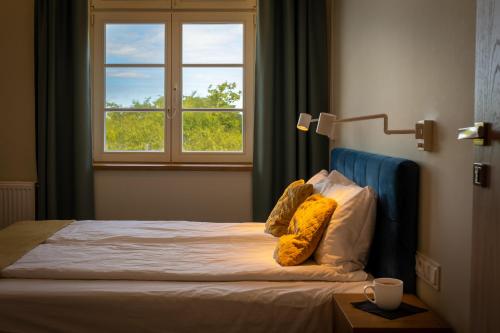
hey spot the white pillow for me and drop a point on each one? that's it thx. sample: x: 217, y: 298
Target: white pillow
x: 336, y: 183
x: 321, y: 181
x: 347, y: 238
x: 318, y: 177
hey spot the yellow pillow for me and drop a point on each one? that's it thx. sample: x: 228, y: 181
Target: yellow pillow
x: 305, y: 230
x: 279, y: 219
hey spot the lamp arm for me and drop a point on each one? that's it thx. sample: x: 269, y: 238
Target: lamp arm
x: 377, y: 116
x: 424, y: 129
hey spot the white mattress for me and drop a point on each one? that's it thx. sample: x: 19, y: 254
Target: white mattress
x: 137, y: 276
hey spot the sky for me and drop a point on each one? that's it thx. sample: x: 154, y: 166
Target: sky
x: 144, y: 44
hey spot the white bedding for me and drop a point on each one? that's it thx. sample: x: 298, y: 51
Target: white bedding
x: 138, y: 276
x: 158, y: 306
x: 165, y: 251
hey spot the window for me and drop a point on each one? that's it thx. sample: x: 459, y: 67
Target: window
x: 173, y: 86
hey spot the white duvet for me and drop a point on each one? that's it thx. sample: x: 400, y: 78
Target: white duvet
x: 165, y: 251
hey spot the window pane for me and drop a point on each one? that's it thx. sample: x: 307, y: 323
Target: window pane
x: 212, y: 43
x: 131, y: 131
x: 212, y: 88
x: 135, y: 88
x: 135, y: 43
x: 212, y: 131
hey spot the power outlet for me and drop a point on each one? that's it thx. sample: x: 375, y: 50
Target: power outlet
x: 428, y: 270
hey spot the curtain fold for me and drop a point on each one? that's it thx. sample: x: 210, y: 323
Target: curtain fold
x: 63, y: 114
x: 291, y: 77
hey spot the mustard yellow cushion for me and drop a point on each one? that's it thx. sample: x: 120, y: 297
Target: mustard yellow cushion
x: 279, y: 219
x: 305, y: 230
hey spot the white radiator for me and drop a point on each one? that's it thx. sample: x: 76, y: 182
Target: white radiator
x: 17, y: 202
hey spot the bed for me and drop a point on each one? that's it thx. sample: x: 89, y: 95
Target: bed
x: 177, y: 276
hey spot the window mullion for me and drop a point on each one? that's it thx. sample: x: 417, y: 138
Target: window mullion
x: 134, y: 65
x: 168, y: 88
x: 213, y: 65
x: 213, y: 109
x: 134, y: 110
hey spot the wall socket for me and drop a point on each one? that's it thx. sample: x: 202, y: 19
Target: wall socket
x: 428, y: 270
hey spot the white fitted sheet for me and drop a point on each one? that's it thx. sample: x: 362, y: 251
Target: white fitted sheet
x: 165, y: 251
x: 158, y: 306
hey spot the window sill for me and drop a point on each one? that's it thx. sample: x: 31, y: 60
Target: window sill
x: 174, y: 166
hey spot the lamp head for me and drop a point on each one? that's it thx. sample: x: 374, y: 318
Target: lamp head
x: 304, y: 122
x: 326, y: 125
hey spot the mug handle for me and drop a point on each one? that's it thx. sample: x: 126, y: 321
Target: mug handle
x: 374, y: 300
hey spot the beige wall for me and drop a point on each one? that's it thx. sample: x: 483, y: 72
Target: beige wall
x: 17, y: 113
x: 170, y: 195
x: 414, y: 60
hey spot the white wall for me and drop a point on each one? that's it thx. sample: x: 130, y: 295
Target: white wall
x: 414, y: 60
x: 224, y: 196
x: 17, y: 112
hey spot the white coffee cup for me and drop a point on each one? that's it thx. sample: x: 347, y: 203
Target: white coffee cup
x: 387, y: 293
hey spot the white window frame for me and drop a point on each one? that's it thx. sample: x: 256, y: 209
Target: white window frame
x: 99, y: 68
x: 214, y: 4
x: 175, y: 4
x: 132, y: 4
x: 173, y: 85
x: 248, y: 73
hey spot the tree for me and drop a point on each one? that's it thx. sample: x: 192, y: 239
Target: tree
x: 202, y: 130
x: 221, y: 97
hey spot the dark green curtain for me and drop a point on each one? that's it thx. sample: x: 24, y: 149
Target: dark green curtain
x: 291, y: 77
x: 63, y: 116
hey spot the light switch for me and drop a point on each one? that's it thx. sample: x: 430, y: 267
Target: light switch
x: 480, y: 174
x: 428, y: 270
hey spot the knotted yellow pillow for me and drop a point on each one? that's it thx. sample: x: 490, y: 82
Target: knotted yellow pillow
x: 305, y: 230
x: 279, y: 219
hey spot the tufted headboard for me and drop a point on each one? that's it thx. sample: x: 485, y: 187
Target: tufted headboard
x: 396, y: 182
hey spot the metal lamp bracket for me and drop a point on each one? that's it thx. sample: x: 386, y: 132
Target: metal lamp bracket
x: 423, y: 131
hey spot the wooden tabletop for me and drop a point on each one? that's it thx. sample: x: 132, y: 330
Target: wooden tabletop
x: 361, y: 321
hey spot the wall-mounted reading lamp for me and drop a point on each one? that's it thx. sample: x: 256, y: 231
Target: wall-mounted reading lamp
x: 326, y: 126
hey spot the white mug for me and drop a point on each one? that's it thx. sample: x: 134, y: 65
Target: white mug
x: 387, y: 293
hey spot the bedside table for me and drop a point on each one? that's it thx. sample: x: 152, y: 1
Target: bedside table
x: 348, y: 319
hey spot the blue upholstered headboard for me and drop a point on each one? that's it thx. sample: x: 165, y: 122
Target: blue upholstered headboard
x: 396, y: 182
